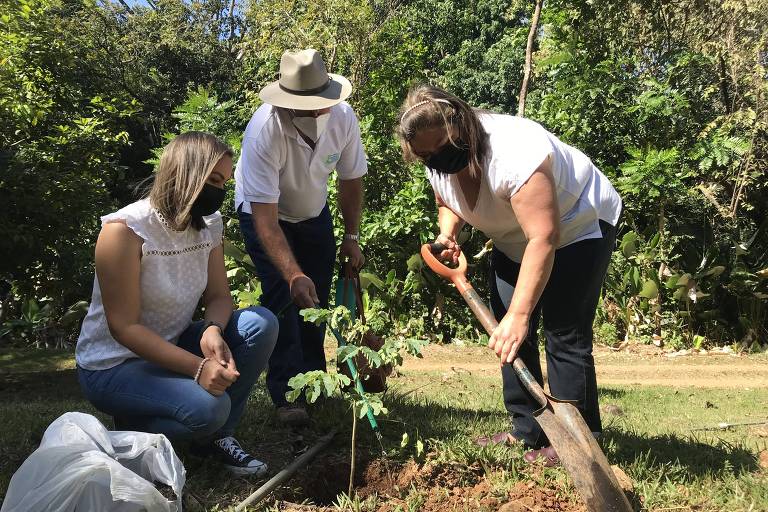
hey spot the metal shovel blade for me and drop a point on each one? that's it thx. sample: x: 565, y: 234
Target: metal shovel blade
x: 581, y: 456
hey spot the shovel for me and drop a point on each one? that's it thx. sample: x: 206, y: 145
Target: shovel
x: 560, y: 419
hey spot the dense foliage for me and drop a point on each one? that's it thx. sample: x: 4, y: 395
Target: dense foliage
x: 669, y: 99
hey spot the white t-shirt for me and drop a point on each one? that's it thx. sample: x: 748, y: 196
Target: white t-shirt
x: 277, y: 166
x: 518, y: 146
x: 174, y: 274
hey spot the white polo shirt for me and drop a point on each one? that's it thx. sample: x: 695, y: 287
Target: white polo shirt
x: 277, y: 166
x: 518, y: 146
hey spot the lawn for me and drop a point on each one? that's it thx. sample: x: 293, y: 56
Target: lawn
x: 651, y: 432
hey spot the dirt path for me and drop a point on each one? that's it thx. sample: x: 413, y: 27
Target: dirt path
x: 637, y: 365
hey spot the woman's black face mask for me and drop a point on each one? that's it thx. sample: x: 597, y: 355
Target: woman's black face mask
x: 449, y: 159
x: 208, y: 201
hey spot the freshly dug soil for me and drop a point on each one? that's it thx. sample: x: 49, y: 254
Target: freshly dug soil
x: 442, y: 488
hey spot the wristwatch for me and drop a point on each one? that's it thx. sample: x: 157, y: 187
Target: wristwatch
x: 210, y: 323
x: 350, y: 236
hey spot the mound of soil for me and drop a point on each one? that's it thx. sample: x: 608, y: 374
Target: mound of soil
x: 441, y: 488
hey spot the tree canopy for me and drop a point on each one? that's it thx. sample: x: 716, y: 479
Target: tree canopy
x: 668, y: 98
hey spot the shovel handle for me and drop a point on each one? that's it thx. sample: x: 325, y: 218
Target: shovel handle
x: 456, y: 275
x: 459, y: 278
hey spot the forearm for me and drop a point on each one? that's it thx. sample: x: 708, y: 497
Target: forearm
x: 534, y: 274
x: 219, y: 310
x: 350, y: 198
x: 277, y: 248
x: 448, y: 222
x: 148, y: 345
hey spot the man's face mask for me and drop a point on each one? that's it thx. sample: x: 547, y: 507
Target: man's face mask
x: 312, y: 127
x: 208, y: 201
x: 449, y: 159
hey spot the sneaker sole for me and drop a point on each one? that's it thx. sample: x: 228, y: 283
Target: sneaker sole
x: 257, y: 471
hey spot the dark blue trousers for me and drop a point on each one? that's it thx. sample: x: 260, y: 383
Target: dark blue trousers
x: 299, y: 345
x: 568, y: 306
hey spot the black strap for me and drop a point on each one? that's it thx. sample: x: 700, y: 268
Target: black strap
x: 306, y: 92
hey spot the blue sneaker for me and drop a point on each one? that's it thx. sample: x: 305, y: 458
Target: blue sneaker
x: 239, y: 462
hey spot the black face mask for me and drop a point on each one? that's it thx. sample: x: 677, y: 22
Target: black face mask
x: 208, y: 201
x: 449, y: 159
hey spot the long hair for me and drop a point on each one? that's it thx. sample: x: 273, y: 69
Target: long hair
x: 184, y: 167
x: 427, y: 106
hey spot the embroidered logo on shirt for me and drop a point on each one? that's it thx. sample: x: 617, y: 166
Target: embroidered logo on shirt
x: 332, y: 159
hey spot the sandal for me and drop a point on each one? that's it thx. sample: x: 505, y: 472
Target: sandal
x: 505, y: 438
x: 547, y: 456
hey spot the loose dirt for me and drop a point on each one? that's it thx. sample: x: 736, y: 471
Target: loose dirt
x: 441, y: 488
x: 643, y: 364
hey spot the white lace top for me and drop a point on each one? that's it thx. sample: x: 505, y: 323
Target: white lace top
x: 174, y: 274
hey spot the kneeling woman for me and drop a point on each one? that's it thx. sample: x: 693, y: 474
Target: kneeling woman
x: 552, y: 217
x: 140, y: 357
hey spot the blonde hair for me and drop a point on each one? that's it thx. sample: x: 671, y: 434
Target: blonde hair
x: 427, y: 106
x: 184, y: 167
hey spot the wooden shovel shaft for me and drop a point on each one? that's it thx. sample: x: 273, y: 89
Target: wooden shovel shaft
x: 489, y: 323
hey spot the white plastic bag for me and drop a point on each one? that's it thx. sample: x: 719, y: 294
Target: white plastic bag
x: 81, y: 466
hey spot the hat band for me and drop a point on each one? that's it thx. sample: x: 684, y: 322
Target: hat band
x: 306, y: 92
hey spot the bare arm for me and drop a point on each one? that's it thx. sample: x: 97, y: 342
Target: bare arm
x: 450, y: 224
x: 271, y: 236
x: 535, y: 206
x: 218, y: 309
x: 351, y: 205
x: 118, y: 267
x: 216, y: 298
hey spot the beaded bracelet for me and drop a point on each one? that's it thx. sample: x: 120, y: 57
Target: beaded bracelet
x: 200, y: 370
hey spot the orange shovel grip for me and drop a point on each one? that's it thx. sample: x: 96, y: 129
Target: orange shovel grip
x: 456, y: 275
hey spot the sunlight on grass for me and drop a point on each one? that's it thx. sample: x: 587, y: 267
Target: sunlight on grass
x: 33, y: 360
x: 650, y: 432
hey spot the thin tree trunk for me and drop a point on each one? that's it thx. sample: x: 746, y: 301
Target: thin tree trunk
x: 352, y: 455
x: 126, y: 6
x: 231, y: 22
x: 662, y: 265
x: 528, y: 57
x: 724, y: 85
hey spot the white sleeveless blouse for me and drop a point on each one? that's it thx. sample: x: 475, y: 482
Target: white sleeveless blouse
x: 174, y: 274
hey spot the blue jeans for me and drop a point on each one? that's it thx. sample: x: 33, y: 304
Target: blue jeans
x: 568, y: 305
x: 299, y: 345
x: 148, y: 398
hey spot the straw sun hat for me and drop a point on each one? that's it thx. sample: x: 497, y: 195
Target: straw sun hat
x: 305, y: 83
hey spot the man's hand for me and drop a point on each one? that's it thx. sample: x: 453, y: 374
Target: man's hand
x: 216, y: 349
x: 303, y: 291
x: 350, y: 250
x: 452, y: 249
x: 508, y: 336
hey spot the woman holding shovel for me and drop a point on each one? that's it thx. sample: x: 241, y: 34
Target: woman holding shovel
x: 140, y: 357
x: 552, y: 216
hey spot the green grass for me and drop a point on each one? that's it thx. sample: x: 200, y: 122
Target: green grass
x: 654, y: 440
x: 31, y: 360
x: 672, y: 466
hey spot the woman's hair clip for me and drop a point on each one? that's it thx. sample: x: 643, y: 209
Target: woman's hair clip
x: 424, y: 102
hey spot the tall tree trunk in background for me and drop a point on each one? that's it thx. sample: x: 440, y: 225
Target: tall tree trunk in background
x: 231, y: 22
x: 528, y: 55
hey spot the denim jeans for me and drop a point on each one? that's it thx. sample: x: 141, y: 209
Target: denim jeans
x: 568, y: 305
x: 145, y: 397
x: 299, y: 345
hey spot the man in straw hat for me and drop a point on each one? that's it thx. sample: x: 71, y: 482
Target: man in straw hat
x: 291, y: 146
